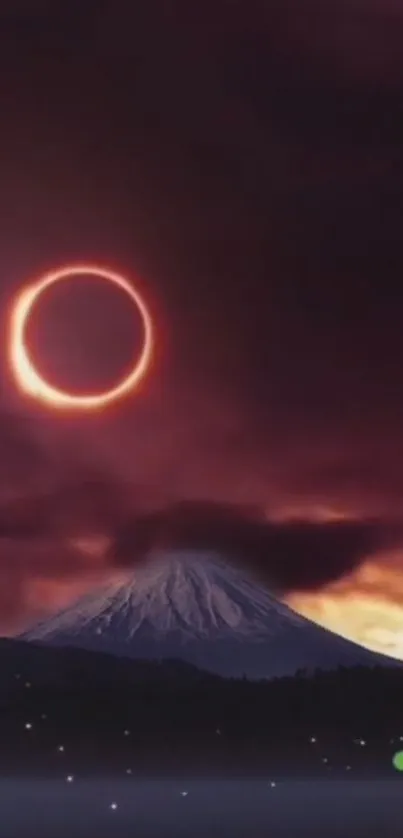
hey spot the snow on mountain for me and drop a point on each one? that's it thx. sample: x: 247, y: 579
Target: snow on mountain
x: 196, y: 608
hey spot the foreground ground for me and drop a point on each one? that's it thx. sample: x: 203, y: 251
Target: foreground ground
x: 201, y: 809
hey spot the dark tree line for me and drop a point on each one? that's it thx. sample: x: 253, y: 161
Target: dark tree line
x: 171, y: 718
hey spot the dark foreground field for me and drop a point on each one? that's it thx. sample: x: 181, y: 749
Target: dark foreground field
x: 90, y: 716
x: 67, y: 712
x: 91, y: 746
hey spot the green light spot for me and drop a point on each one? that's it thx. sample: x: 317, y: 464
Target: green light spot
x: 398, y: 761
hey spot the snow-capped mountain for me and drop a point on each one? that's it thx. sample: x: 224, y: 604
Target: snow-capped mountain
x: 196, y: 608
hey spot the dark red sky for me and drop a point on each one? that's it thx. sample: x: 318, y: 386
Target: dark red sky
x: 245, y: 161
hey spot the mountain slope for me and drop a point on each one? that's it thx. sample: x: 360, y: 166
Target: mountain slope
x: 198, y: 609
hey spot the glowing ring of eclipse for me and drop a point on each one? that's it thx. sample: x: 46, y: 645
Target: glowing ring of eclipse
x: 27, y: 377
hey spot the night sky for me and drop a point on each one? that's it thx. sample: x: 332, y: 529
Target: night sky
x: 243, y: 165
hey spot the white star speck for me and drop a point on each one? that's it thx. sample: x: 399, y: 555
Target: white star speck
x: 113, y: 806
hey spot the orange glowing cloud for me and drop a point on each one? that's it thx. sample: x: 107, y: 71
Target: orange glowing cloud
x: 365, y: 606
x: 28, y: 378
x: 311, y: 513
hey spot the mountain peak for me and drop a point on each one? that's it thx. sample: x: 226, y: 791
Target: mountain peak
x: 195, y: 607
